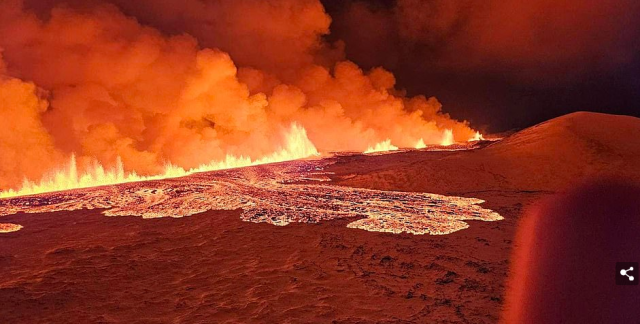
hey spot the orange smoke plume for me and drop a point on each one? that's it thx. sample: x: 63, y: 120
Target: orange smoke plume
x: 91, y: 81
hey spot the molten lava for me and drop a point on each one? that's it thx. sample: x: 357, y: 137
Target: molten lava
x: 447, y: 138
x: 278, y: 194
x: 384, y: 146
x: 476, y: 137
x: 8, y: 227
x: 297, y: 146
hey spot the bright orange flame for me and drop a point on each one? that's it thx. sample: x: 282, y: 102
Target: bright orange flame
x: 420, y: 144
x: 476, y: 137
x: 297, y: 146
x: 383, y: 146
x: 447, y: 137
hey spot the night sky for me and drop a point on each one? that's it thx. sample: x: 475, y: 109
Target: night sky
x: 579, y: 55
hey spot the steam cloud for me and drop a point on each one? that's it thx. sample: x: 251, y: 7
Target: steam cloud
x: 88, y: 79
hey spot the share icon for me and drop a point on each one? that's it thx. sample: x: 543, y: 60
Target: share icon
x: 625, y: 272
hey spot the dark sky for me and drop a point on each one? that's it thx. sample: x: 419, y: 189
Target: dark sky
x: 507, y: 64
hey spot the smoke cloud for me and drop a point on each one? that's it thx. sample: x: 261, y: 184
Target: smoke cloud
x: 24, y: 140
x: 187, y: 84
x: 527, y: 40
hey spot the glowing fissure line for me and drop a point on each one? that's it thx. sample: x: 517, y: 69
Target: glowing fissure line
x: 297, y: 146
x: 447, y: 140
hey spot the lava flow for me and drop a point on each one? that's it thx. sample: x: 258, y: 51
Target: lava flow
x: 278, y: 194
x: 8, y: 227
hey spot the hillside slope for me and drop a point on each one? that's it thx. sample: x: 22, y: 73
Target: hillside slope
x: 546, y: 157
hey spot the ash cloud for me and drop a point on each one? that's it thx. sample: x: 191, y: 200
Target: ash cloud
x: 533, y: 41
x: 156, y: 82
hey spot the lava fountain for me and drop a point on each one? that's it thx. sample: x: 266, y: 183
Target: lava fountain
x: 297, y: 146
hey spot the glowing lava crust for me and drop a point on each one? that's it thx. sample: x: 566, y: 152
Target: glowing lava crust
x: 279, y: 194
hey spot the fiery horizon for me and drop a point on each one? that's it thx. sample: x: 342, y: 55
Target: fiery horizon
x: 298, y: 146
x: 91, y: 96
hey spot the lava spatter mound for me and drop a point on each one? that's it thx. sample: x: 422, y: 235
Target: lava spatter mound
x: 278, y: 194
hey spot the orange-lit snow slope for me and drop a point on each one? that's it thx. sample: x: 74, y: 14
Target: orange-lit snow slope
x: 279, y: 194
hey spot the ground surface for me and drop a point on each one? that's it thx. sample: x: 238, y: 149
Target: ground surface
x: 82, y: 266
